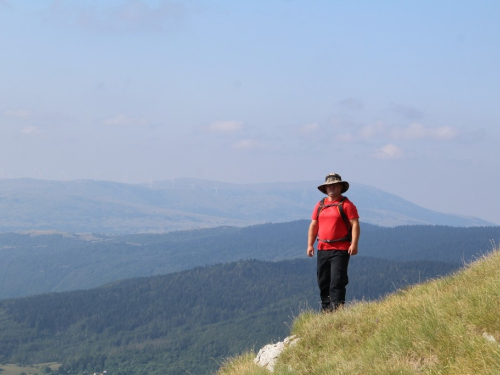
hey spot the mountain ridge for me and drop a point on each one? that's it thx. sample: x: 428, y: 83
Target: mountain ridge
x: 95, y: 206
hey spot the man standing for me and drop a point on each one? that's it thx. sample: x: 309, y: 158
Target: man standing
x: 335, y: 223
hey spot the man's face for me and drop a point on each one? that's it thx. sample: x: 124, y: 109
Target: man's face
x: 333, y: 190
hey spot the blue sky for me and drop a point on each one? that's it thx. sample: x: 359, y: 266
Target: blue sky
x: 399, y: 95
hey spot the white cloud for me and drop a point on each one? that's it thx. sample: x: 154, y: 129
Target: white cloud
x: 372, y: 131
x: 224, y: 126
x: 444, y: 133
x: 412, y: 132
x: 345, y: 137
x: 31, y: 130
x: 309, y: 128
x: 132, y: 15
x: 366, y: 132
x: 419, y: 131
x: 389, y: 152
x: 122, y: 120
x: 17, y: 113
x: 248, y: 144
x: 139, y: 15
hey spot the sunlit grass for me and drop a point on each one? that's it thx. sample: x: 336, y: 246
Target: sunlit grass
x: 243, y: 365
x: 432, y: 328
x: 11, y: 369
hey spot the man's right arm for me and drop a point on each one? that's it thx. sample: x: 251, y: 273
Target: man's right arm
x: 311, y: 237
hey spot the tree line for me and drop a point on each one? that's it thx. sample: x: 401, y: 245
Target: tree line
x: 44, y: 263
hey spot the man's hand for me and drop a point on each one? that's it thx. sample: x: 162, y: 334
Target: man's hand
x: 310, y: 251
x: 311, y: 237
x: 353, y: 249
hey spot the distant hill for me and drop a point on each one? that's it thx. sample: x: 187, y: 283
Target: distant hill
x: 108, y: 207
x: 34, y: 263
x: 187, y: 322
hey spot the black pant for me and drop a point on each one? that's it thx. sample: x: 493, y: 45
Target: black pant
x: 332, y: 277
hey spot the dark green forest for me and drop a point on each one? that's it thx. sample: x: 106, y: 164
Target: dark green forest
x: 33, y: 263
x: 189, y: 299
x: 185, y: 322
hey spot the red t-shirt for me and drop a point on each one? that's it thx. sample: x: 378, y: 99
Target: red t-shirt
x: 331, y: 226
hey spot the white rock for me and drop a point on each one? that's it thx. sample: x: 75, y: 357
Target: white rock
x: 269, y: 354
x: 489, y: 338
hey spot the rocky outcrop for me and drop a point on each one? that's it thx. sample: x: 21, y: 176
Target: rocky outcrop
x: 269, y: 354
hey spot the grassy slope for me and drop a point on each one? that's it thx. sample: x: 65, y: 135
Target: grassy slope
x: 433, y: 328
x: 35, y: 369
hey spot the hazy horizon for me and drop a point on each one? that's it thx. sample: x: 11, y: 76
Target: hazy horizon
x: 401, y: 96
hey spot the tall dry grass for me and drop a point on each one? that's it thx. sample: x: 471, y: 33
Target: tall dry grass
x: 444, y: 326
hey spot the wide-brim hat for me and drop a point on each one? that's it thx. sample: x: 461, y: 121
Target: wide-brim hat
x: 332, y: 179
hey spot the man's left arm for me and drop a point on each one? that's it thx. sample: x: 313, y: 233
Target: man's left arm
x: 353, y: 249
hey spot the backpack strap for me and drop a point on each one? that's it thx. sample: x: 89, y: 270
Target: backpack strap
x: 339, y: 204
x: 343, y: 215
x: 320, y: 207
x: 346, y: 221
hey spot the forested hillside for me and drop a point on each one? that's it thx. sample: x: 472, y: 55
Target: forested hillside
x: 34, y: 263
x: 182, y: 322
